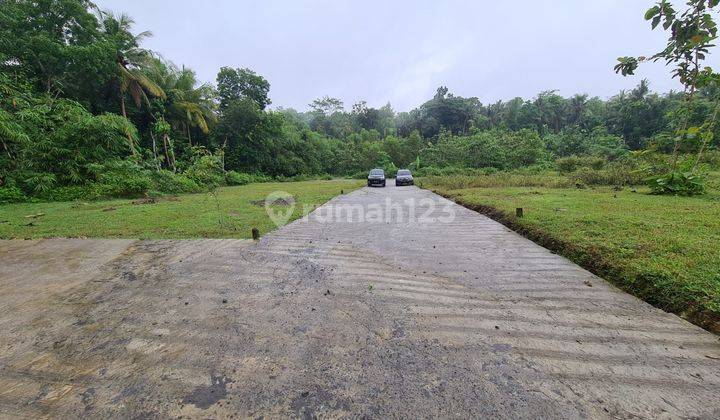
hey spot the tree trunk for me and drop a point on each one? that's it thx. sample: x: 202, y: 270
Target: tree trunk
x: 165, y: 148
x: 223, y: 152
x: 188, y: 134
x: 154, y: 144
x: 122, y: 104
x: 124, y: 114
x: 169, y: 153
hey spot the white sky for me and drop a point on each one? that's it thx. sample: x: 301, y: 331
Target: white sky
x: 401, y: 51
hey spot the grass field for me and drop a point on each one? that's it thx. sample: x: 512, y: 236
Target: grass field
x: 230, y: 213
x: 665, y: 250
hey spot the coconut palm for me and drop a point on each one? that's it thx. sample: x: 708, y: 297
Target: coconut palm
x: 192, y: 106
x: 189, y: 106
x: 130, y: 59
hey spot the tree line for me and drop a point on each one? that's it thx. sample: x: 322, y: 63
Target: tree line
x: 86, y: 110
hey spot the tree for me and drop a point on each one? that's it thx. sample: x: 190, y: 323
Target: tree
x: 130, y: 60
x: 691, y: 35
x: 326, y: 105
x: 447, y: 111
x: 57, y: 45
x: 235, y: 84
x: 189, y: 104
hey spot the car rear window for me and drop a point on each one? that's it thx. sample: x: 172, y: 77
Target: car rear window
x: 403, y: 172
x: 376, y: 172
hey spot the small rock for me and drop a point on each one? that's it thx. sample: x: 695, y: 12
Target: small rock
x: 224, y: 300
x: 497, y: 327
x: 588, y: 284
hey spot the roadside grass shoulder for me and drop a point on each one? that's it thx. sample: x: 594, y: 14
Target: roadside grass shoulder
x: 662, y: 249
x: 228, y: 212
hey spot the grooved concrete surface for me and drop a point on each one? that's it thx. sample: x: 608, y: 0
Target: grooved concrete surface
x: 330, y: 318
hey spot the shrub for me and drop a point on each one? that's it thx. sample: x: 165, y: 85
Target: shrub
x: 237, y: 178
x: 567, y: 164
x: 11, y: 195
x: 613, y: 175
x: 712, y: 158
x: 172, y: 183
x: 294, y: 178
x: 261, y: 178
x: 678, y: 183
x: 121, y: 178
x: 74, y: 192
x: 358, y: 175
x: 573, y: 163
x: 499, y: 179
x: 207, y: 171
x: 36, y: 183
x: 451, y: 170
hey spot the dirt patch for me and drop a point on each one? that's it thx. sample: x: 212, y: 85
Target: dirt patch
x: 289, y: 201
x: 145, y: 200
x: 642, y: 285
x: 153, y: 200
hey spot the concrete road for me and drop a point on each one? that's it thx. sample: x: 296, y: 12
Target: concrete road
x: 415, y: 307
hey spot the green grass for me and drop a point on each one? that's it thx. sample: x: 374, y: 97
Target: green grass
x: 664, y: 249
x: 232, y: 215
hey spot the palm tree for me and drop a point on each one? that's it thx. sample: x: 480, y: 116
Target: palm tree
x: 189, y: 106
x: 130, y: 60
x: 192, y: 106
x: 577, y: 106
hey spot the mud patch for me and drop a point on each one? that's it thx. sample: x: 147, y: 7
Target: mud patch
x: 288, y: 201
x: 206, y: 395
x: 153, y: 200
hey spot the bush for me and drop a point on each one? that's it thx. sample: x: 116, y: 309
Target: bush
x: 358, y: 175
x: 615, y: 175
x: 573, y: 163
x: 678, y: 183
x: 619, y: 173
x: 498, y: 180
x: 74, y: 192
x: 451, y: 170
x: 238, y: 178
x: 207, y: 171
x: 11, y: 195
x: 121, y: 178
x: 712, y: 158
x: 37, y: 183
x: 172, y: 183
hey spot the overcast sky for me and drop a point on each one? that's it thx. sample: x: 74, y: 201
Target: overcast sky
x: 401, y: 51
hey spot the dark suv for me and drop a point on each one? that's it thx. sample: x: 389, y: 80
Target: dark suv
x: 376, y: 177
x: 403, y: 177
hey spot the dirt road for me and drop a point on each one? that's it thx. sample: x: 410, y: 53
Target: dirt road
x: 423, y: 309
